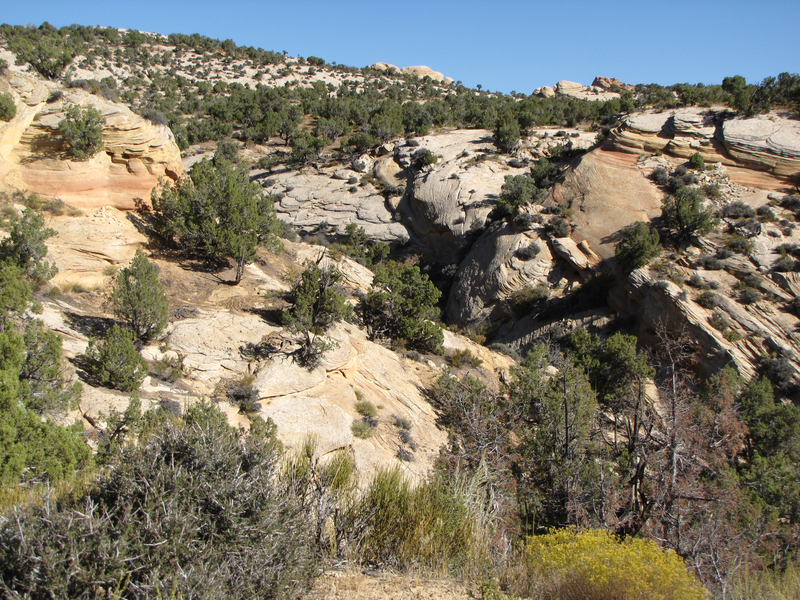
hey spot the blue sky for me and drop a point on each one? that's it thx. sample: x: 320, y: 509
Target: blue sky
x: 503, y: 45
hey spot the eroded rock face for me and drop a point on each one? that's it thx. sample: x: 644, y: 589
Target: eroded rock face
x: 87, y: 248
x: 606, y: 192
x: 420, y: 71
x: 135, y: 151
x: 491, y: 272
x: 762, y: 326
x: 607, y: 82
x: 582, y: 92
x: 309, y: 198
x: 452, y: 198
x: 767, y: 143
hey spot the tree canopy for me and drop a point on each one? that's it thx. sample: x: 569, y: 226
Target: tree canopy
x: 217, y: 213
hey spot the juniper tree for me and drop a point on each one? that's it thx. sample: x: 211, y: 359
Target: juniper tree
x: 25, y: 246
x: 400, y: 304
x: 216, y: 212
x: 139, y: 300
x: 318, y: 303
x: 82, y: 131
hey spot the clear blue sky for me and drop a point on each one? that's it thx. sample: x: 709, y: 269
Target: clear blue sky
x: 503, y: 45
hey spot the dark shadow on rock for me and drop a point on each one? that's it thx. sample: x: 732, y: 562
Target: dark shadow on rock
x: 89, y: 325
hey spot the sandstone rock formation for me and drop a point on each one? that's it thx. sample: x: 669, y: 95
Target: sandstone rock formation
x: 768, y: 143
x: 87, y: 248
x: 450, y: 199
x: 606, y: 192
x: 491, y: 272
x: 581, y: 92
x: 309, y: 198
x: 135, y: 151
x: 420, y: 71
x: 607, y: 82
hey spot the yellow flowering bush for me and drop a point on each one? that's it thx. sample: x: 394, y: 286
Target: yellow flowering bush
x: 596, y: 565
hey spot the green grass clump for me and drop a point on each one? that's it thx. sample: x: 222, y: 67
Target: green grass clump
x: 366, y: 408
x: 362, y: 429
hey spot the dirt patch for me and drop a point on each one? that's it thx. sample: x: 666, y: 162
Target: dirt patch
x: 384, y: 586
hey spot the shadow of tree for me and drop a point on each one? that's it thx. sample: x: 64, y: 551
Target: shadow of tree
x: 89, y: 325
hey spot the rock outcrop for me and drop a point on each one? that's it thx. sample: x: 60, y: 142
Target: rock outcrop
x: 768, y: 143
x: 606, y: 192
x: 420, y: 71
x: 761, y: 328
x: 581, y: 92
x: 452, y: 198
x: 135, y: 151
x: 607, y: 83
x: 492, y: 271
x: 308, y: 198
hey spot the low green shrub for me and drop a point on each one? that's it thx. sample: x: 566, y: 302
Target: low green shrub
x: 465, y: 358
x: 366, y: 408
x: 8, y: 110
x: 697, y: 162
x: 115, y: 362
x: 362, y: 429
x: 194, y: 509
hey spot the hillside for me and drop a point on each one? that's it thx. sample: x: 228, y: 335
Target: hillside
x: 577, y: 308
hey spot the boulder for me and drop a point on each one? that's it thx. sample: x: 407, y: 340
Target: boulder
x: 362, y: 164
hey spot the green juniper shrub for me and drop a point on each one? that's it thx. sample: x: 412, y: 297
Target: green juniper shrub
x: 317, y: 303
x: 528, y: 298
x: 400, y: 304
x: 244, y: 395
x: 82, y: 131
x: 115, y: 362
x: 697, y: 162
x: 139, y: 300
x: 683, y: 214
x: 8, y: 110
x: 25, y: 246
x: 506, y: 133
x: 638, y: 246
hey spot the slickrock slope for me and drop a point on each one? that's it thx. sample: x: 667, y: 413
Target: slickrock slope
x: 606, y: 192
x: 334, y: 196
x: 135, y: 151
x: 212, y: 325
